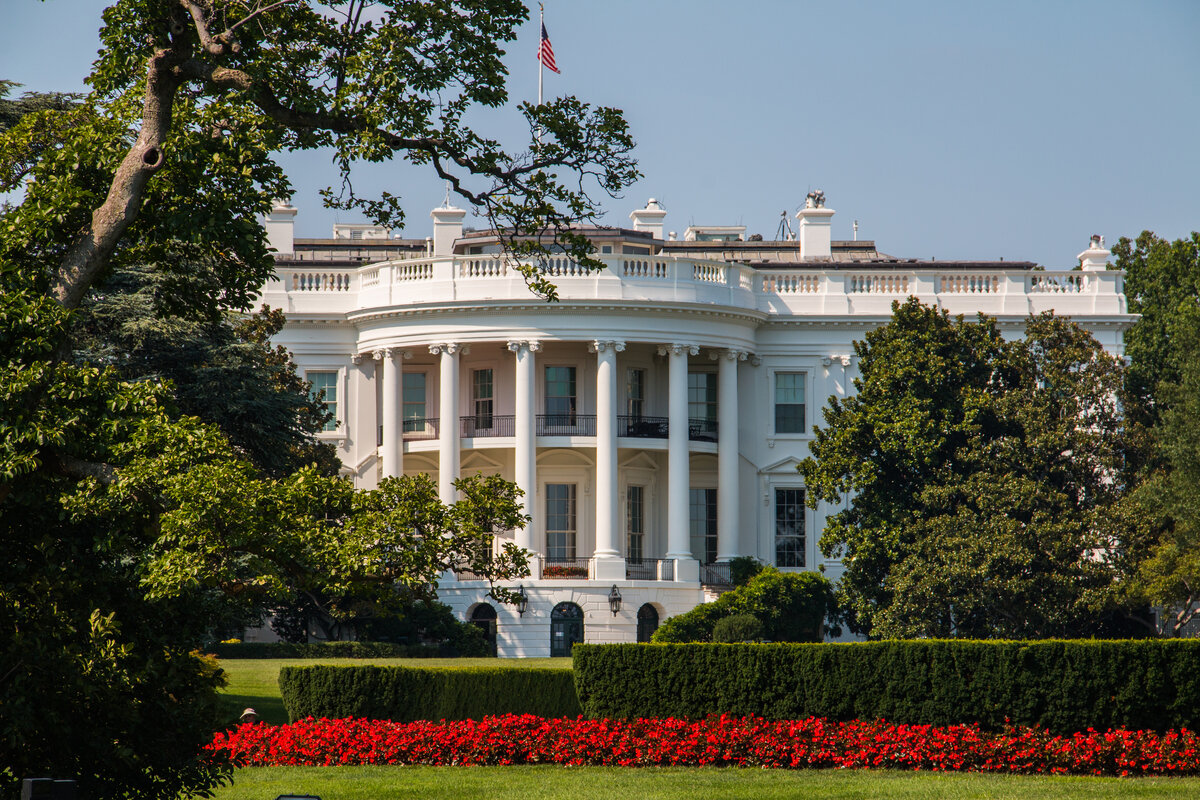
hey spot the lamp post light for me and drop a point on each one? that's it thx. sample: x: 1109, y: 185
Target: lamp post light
x: 522, y: 601
x: 614, y: 600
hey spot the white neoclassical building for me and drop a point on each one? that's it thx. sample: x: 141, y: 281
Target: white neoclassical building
x: 654, y: 417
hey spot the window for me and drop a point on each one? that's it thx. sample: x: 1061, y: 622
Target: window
x: 560, y: 521
x: 414, y: 401
x: 789, y: 527
x: 702, y: 396
x: 635, y: 523
x: 566, y: 628
x: 702, y: 518
x: 560, y: 395
x: 635, y: 393
x: 789, y: 402
x: 647, y: 622
x: 481, y: 394
x: 325, y: 382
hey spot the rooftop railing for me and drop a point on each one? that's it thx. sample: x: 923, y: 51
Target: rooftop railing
x: 792, y: 289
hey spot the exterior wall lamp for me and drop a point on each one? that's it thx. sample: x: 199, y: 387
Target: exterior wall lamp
x: 523, y: 601
x: 614, y: 600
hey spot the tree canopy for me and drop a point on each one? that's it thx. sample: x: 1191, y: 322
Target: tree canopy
x: 125, y: 524
x: 979, y: 471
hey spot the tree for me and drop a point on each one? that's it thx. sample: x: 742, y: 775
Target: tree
x: 1162, y: 284
x: 980, y: 472
x: 122, y: 521
x: 789, y: 607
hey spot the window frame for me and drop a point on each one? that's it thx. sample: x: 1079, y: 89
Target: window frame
x: 405, y: 419
x: 339, y: 388
x: 773, y: 394
x: 571, y: 546
x: 800, y: 530
x: 571, y: 416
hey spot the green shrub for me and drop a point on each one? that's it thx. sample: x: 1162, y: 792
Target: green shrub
x: 738, y: 628
x: 1065, y: 686
x: 792, y: 607
x: 743, y: 568
x: 337, y: 650
x: 405, y: 694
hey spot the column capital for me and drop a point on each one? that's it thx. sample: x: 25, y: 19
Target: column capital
x: 448, y: 347
x: 515, y: 345
x: 359, y: 358
x: 728, y: 354
x: 387, y: 352
x: 601, y: 345
x: 828, y: 360
x: 678, y: 349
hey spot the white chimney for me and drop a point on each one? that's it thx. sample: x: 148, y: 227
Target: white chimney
x: 1095, y: 258
x: 815, y: 228
x: 649, y: 219
x: 280, y: 225
x: 447, y: 228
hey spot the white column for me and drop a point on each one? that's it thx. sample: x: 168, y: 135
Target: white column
x: 728, y: 511
x: 448, y: 441
x: 391, y: 450
x: 526, y: 444
x: 678, y: 468
x: 608, y: 565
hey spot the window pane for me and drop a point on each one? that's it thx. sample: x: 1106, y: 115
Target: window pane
x: 789, y: 527
x: 560, y: 520
x: 702, y: 395
x: 481, y: 392
x: 635, y: 522
x: 789, y: 402
x: 702, y: 519
x: 413, y: 393
x: 326, y: 382
x: 635, y: 392
x: 560, y: 395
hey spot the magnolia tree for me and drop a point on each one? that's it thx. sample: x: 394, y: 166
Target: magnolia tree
x: 125, y: 525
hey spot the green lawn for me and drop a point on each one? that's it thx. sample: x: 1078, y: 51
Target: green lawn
x: 677, y: 783
x: 254, y: 682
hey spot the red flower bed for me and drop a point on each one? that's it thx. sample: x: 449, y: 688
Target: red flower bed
x: 716, y: 741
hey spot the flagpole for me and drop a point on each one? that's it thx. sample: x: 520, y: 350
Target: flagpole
x: 541, y: 27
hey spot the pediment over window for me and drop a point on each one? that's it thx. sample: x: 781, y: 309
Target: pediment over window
x: 784, y: 466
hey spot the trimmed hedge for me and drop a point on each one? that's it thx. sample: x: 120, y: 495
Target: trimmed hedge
x: 1064, y: 686
x: 406, y: 694
x: 329, y: 650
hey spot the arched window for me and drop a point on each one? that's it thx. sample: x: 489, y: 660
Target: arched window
x: 566, y: 628
x: 647, y: 622
x: 484, y: 618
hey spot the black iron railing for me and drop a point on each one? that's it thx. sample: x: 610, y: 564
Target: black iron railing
x: 649, y: 569
x: 702, y: 430
x: 421, y: 428
x: 564, y: 568
x: 642, y: 427
x: 566, y: 424
x: 478, y: 426
x: 716, y: 575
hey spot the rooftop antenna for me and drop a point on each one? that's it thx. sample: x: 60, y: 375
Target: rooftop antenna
x: 784, y: 232
x: 856, y: 230
x: 446, y: 202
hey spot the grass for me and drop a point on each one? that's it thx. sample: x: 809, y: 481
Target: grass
x: 677, y: 783
x: 254, y: 682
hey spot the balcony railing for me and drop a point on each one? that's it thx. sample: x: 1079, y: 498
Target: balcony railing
x: 702, y: 430
x: 564, y: 568
x: 480, y: 426
x: 642, y: 427
x: 716, y: 575
x: 566, y: 424
x: 650, y: 569
x: 421, y: 428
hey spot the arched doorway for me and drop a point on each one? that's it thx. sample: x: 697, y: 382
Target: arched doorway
x: 484, y: 618
x: 566, y: 628
x: 647, y: 622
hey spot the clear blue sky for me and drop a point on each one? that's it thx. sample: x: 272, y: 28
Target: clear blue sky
x: 948, y: 129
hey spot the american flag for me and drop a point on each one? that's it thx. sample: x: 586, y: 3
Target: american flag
x: 546, y: 52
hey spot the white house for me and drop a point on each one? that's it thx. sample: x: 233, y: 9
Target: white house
x: 654, y: 416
